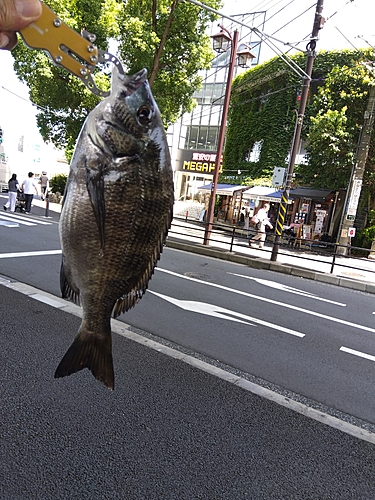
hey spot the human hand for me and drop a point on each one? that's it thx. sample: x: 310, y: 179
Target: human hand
x: 14, y: 16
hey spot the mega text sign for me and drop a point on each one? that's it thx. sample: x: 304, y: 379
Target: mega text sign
x: 194, y: 161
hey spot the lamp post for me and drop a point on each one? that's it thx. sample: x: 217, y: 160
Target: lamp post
x: 221, y: 42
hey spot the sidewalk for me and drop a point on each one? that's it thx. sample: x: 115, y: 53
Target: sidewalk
x: 53, y: 207
x: 309, y: 264
x: 305, y: 264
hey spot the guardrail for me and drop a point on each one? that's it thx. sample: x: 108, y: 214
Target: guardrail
x: 318, y: 256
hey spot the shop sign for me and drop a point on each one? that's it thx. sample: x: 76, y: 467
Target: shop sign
x: 194, y: 161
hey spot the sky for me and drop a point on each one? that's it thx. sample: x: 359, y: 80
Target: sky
x: 349, y: 24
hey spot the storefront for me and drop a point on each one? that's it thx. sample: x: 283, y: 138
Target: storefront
x: 255, y: 197
x: 313, y: 208
x: 308, y: 209
x: 193, y: 169
x: 231, y: 203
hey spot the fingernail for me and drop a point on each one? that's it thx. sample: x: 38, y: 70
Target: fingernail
x: 28, y: 8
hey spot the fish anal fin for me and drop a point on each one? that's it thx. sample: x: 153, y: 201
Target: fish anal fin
x: 67, y: 290
x: 92, y: 352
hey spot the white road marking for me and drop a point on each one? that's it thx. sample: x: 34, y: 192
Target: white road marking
x: 23, y: 222
x: 286, y: 288
x: 220, y: 312
x: 24, y: 219
x: 357, y: 353
x: 47, y: 300
x: 29, y: 254
x: 270, y: 301
x: 9, y: 223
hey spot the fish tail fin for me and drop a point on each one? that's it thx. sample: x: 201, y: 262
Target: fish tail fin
x: 94, y: 353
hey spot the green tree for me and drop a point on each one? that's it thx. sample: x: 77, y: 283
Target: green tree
x: 165, y: 36
x: 330, y: 155
x: 168, y: 38
x: 263, y: 109
x: 334, y: 132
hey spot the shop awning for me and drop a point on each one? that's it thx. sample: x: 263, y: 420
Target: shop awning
x: 223, y: 189
x: 264, y: 193
x: 312, y: 194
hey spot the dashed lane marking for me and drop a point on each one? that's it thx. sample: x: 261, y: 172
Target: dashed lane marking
x: 357, y: 353
x: 29, y: 254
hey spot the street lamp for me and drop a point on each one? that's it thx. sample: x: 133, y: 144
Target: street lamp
x: 221, y: 42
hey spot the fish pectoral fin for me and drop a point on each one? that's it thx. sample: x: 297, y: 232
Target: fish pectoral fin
x: 92, y: 352
x: 95, y: 188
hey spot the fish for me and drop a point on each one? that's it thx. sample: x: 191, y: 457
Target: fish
x: 117, y: 210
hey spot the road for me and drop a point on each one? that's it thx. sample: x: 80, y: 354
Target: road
x: 171, y: 430
x: 309, y: 338
x: 168, y: 431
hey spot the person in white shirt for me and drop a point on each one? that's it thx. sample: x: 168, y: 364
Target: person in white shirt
x: 263, y: 221
x: 29, y: 188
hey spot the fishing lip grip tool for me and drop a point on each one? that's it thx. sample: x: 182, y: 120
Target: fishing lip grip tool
x: 67, y: 48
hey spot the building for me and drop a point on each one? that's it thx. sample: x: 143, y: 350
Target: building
x: 195, y: 136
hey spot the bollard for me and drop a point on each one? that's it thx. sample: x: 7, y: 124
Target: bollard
x: 47, y: 206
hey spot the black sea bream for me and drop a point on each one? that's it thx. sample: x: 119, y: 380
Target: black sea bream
x: 117, y: 210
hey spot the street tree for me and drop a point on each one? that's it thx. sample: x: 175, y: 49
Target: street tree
x: 262, y: 116
x: 335, y: 125
x: 165, y: 36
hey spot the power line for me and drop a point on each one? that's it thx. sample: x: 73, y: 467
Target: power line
x: 27, y: 100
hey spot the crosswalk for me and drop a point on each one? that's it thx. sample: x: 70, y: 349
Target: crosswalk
x: 12, y: 219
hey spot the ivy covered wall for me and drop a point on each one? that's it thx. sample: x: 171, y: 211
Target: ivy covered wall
x: 263, y: 107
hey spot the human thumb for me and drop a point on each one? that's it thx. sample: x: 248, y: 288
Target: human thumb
x: 29, y: 10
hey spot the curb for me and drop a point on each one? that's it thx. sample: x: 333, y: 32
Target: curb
x: 259, y: 263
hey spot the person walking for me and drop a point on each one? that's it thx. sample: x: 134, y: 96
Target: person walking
x: 29, y: 188
x: 263, y: 221
x: 13, y: 188
x: 44, y: 185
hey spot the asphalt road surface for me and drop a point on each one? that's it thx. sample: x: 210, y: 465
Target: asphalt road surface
x: 307, y: 338
x: 171, y: 429
x: 168, y: 431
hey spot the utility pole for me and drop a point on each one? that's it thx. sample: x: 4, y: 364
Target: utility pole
x: 355, y: 183
x: 311, y: 54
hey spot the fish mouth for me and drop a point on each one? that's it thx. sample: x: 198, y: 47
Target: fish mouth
x: 131, y: 82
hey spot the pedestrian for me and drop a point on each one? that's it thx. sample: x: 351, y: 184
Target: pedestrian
x: 29, y: 187
x: 14, y: 16
x: 44, y: 185
x: 242, y: 216
x: 13, y: 188
x: 263, y: 221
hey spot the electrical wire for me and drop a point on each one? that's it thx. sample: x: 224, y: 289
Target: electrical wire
x: 24, y: 99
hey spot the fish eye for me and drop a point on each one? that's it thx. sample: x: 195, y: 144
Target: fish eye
x: 144, y: 115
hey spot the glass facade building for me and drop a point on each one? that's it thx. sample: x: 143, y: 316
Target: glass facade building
x: 195, y: 149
